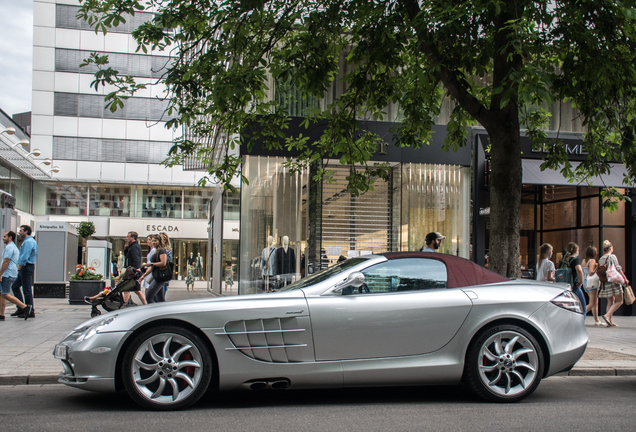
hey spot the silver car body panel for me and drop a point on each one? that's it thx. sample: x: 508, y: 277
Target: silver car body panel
x: 316, y: 337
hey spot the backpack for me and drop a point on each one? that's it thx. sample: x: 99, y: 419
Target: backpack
x: 564, y: 274
x: 601, y: 271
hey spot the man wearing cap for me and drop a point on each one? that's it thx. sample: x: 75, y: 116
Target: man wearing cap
x: 433, y: 241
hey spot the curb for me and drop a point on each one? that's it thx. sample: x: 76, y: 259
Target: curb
x: 53, y: 379
x: 599, y: 372
x: 6, y: 380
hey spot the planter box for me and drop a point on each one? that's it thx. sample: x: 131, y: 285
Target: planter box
x: 77, y: 290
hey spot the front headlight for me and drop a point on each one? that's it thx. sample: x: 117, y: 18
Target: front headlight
x: 95, y: 328
x: 568, y: 300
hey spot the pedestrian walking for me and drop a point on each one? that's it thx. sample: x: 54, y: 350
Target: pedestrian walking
x: 132, y: 258
x: 8, y: 274
x: 613, y: 292
x: 151, y: 251
x: 591, y: 284
x: 155, y: 293
x: 165, y: 243
x: 545, y: 269
x: 23, y: 285
x: 572, y: 260
x: 433, y: 242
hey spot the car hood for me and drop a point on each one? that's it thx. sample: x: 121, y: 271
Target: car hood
x: 213, y: 312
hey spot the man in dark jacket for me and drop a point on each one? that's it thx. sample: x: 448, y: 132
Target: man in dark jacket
x: 132, y: 254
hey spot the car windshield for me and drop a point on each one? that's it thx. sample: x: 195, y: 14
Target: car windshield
x: 324, y: 274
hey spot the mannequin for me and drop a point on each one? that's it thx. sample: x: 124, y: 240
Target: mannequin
x: 120, y: 262
x: 286, y: 261
x: 191, y: 259
x: 199, y: 266
x: 268, y: 262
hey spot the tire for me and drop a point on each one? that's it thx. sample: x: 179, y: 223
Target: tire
x: 504, y: 363
x: 158, y: 380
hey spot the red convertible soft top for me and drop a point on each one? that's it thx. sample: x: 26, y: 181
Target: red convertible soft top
x: 461, y: 272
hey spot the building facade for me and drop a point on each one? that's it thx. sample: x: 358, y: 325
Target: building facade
x: 109, y: 163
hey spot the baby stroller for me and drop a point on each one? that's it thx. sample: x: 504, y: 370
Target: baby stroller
x: 114, y: 299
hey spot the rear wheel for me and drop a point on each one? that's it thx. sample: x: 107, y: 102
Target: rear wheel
x: 167, y: 368
x: 504, y: 364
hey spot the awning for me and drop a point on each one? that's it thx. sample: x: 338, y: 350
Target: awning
x: 532, y: 175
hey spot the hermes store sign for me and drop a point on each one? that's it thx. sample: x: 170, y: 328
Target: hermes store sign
x: 175, y: 228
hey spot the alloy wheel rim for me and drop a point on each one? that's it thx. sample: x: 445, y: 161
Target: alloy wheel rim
x: 166, y: 368
x: 508, y: 363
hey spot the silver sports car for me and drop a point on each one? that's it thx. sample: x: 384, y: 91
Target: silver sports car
x: 408, y: 318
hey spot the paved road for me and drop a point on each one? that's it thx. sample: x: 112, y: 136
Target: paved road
x: 560, y: 403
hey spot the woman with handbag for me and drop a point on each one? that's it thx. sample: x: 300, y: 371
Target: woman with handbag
x: 158, y: 262
x: 591, y: 282
x: 611, y: 289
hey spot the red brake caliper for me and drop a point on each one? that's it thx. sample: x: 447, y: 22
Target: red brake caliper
x: 188, y: 370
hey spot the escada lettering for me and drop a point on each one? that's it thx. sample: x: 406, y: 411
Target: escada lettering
x: 165, y: 228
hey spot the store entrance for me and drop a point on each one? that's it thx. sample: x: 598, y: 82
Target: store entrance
x: 184, y: 252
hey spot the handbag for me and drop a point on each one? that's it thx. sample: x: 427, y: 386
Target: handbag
x: 613, y: 275
x: 628, y: 295
x: 162, y: 274
x: 593, y: 282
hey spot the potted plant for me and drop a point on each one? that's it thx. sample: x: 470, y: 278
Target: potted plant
x: 85, y: 282
x: 84, y: 231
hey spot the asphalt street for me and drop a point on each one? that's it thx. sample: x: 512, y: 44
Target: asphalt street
x: 560, y: 403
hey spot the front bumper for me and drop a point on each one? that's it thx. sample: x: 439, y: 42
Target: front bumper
x: 564, y: 332
x: 90, y: 364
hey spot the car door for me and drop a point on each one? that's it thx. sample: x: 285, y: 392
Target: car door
x: 407, y: 311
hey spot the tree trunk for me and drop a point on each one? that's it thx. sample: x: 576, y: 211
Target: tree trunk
x: 505, y: 196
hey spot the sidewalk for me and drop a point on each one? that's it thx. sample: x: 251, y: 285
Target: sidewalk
x: 26, y: 347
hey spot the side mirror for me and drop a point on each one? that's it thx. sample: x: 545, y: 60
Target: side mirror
x: 354, y: 280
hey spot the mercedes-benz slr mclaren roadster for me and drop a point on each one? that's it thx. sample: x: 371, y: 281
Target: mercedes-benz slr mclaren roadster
x: 410, y: 318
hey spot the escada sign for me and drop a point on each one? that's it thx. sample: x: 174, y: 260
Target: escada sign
x: 162, y: 228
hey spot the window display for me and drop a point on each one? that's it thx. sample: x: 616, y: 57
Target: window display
x: 271, y: 225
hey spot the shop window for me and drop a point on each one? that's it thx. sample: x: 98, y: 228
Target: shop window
x: 66, y: 199
x: 196, y: 202
x: 587, y: 191
x: 617, y: 217
x: 270, y: 225
x: 21, y: 189
x: 559, y: 215
x: 436, y: 198
x: 163, y: 202
x: 589, y: 211
x: 110, y: 200
x: 556, y: 193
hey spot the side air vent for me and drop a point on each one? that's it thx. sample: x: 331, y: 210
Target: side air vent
x: 276, y: 340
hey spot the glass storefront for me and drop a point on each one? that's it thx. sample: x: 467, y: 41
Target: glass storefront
x: 82, y: 199
x: 272, y: 239
x: 164, y: 202
x: 187, y: 255
x: 291, y: 226
x: 111, y: 200
x: 436, y: 198
x: 567, y: 214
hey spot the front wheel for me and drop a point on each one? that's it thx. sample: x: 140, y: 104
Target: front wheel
x: 167, y: 368
x: 504, y: 364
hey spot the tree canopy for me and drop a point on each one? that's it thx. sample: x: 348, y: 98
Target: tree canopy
x: 500, y: 62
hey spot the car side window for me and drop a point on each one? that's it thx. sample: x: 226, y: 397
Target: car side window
x: 407, y: 274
